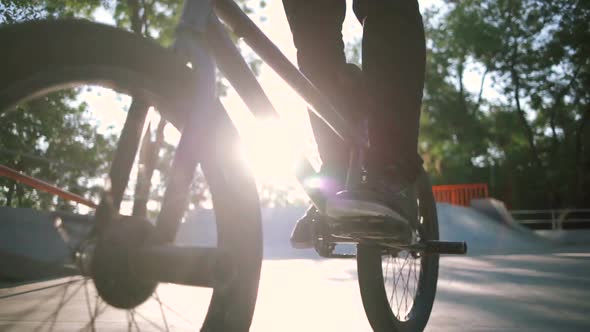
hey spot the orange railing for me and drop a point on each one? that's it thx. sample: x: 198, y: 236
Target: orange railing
x: 460, y: 194
x: 44, y: 186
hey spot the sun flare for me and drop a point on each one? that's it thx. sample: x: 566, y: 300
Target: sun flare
x: 271, y: 148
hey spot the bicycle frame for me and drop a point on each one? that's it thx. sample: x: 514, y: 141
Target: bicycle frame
x: 211, y: 44
x: 208, y: 46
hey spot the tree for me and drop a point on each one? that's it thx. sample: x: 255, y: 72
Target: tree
x: 12, y: 11
x: 526, y: 129
x: 51, y: 138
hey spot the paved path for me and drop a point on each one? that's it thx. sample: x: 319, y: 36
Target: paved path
x: 537, y: 292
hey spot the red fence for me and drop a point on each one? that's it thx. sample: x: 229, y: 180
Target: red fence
x: 460, y: 194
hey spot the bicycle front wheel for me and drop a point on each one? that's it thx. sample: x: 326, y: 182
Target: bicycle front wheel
x: 41, y: 58
x: 398, y: 286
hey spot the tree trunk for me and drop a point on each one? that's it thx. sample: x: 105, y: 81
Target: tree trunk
x: 10, y: 194
x: 581, y: 159
x: 134, y: 16
x: 522, y: 116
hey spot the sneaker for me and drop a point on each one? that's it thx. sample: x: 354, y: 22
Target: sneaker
x: 384, y: 196
x: 303, y: 233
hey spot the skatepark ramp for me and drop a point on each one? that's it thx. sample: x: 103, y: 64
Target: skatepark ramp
x: 30, y: 243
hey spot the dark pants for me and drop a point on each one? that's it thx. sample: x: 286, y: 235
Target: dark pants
x: 390, y: 89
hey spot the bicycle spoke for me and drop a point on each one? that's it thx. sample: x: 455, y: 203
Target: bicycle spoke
x: 407, y: 286
x: 401, y: 269
x: 55, y: 313
x: 393, y: 281
x: 167, y: 307
x: 88, y: 305
x: 149, y: 321
x: 394, y: 293
x: 97, y: 312
x: 404, y: 290
x: 387, y: 269
x: 62, y: 302
x: 401, y: 287
x: 157, y: 297
x: 396, y: 281
x: 131, y: 320
x: 39, y: 289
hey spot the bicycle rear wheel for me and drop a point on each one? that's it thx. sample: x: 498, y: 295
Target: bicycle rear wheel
x: 42, y: 57
x: 398, y: 287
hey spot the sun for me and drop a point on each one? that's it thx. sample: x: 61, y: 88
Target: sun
x: 271, y: 149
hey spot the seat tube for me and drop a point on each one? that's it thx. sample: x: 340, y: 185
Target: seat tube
x: 196, y: 14
x: 199, y: 109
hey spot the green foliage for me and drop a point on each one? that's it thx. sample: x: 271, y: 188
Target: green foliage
x: 51, y: 138
x: 154, y: 19
x: 16, y: 11
x: 12, y: 11
x: 526, y: 130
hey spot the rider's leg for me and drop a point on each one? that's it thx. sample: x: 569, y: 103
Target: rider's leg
x: 394, y: 55
x: 393, y: 61
x: 393, y: 71
x: 317, y: 34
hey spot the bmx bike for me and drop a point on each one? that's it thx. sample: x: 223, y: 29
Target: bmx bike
x: 127, y: 256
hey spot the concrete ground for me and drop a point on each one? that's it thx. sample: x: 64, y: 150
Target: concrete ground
x: 508, y: 283
x: 537, y: 292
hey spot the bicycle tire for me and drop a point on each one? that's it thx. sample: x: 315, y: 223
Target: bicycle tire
x: 377, y: 302
x: 42, y: 56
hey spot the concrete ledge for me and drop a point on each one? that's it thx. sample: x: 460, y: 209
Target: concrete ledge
x: 31, y: 247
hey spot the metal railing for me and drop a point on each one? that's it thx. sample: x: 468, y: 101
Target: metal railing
x: 556, y: 218
x: 44, y: 186
x: 460, y: 194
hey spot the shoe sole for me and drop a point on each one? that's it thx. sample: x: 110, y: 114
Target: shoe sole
x: 339, y: 208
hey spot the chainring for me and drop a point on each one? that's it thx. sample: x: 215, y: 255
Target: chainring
x: 113, y: 266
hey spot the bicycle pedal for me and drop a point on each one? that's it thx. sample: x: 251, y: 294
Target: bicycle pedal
x: 445, y: 247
